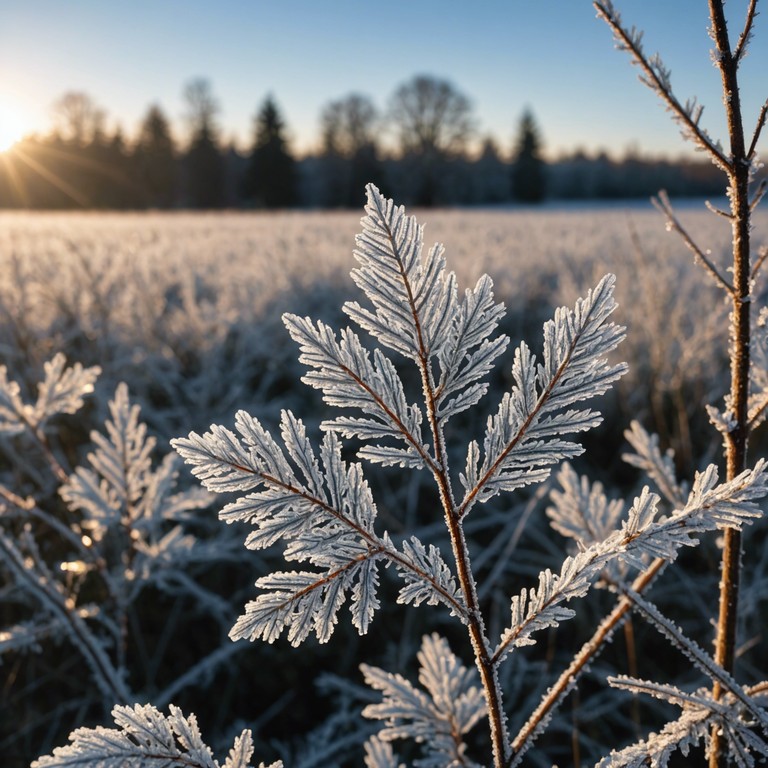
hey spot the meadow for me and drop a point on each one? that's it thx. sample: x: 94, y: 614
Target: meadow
x: 185, y: 310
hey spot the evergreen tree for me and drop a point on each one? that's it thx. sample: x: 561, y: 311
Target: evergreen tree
x: 204, y: 163
x: 155, y: 161
x: 270, y: 176
x: 529, y: 170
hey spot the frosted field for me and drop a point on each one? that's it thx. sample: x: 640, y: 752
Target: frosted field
x: 186, y: 307
x: 186, y: 310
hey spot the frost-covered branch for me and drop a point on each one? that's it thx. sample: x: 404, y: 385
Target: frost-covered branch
x: 700, y: 714
x: 657, y: 77
x: 663, y: 204
x: 697, y: 655
x: 524, y: 438
x: 324, y: 512
x: 31, y: 574
x: 642, y: 536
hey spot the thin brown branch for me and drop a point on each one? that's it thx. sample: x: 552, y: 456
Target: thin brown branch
x: 589, y: 651
x: 762, y: 255
x: 662, y: 203
x: 475, y: 622
x: 653, y: 80
x: 718, y: 211
x: 756, y: 412
x: 740, y: 335
x: 759, y: 194
x: 741, y: 46
x: 758, y: 130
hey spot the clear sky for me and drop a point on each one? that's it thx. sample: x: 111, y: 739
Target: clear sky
x: 553, y: 56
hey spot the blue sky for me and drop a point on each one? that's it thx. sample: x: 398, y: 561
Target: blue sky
x: 553, y: 56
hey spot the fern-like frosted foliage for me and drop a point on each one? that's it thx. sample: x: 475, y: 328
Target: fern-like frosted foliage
x: 581, y: 510
x: 323, y: 511
x: 62, y: 390
x: 319, y: 507
x: 379, y: 754
x: 121, y: 495
x: 145, y: 738
x: 526, y: 435
x: 658, y: 466
x: 450, y: 704
x: 645, y: 534
x: 700, y: 712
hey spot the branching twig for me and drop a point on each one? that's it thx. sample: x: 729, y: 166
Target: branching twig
x: 658, y: 81
x: 758, y: 130
x: 591, y: 649
x: 741, y: 46
x: 762, y: 255
x: 694, y: 652
x: 759, y: 194
x: 662, y: 203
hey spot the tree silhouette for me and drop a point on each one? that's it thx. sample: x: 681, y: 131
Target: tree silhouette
x: 77, y: 118
x: 155, y: 161
x: 434, y: 121
x: 270, y: 176
x: 529, y: 170
x: 350, y: 154
x: 204, y: 163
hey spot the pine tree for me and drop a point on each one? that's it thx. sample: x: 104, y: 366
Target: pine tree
x: 155, y: 161
x: 270, y: 177
x: 528, y: 171
x: 204, y: 163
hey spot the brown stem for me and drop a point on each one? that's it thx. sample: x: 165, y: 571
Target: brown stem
x: 580, y: 661
x: 476, y: 625
x: 736, y: 438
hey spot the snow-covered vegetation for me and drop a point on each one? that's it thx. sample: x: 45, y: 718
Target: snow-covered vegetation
x: 121, y: 587
x: 414, y: 470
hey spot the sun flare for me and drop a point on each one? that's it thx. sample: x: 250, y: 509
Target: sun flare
x: 14, y: 124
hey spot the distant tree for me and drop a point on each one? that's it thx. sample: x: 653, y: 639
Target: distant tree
x: 270, y: 176
x: 155, y: 161
x: 431, y: 116
x: 529, y: 170
x: 350, y: 154
x: 204, y: 163
x: 433, y: 120
x: 490, y: 175
x: 349, y: 124
x: 202, y: 107
x: 77, y: 118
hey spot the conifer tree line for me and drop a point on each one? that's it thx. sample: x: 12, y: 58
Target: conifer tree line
x: 431, y: 159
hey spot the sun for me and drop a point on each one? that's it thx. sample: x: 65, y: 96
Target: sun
x: 14, y: 124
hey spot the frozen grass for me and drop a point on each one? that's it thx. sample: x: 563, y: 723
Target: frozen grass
x: 186, y: 310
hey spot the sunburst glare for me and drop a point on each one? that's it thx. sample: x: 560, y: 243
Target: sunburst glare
x: 14, y: 123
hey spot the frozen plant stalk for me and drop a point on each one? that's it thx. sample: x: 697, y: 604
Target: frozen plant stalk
x: 322, y: 509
